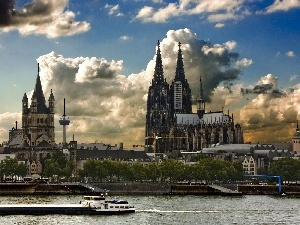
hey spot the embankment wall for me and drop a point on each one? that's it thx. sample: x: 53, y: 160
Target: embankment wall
x: 140, y: 189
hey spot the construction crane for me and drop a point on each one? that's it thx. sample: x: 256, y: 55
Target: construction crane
x: 155, y: 137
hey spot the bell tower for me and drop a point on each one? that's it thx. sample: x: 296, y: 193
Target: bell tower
x: 158, y: 108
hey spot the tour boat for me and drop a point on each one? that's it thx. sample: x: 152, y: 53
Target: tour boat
x: 91, y: 205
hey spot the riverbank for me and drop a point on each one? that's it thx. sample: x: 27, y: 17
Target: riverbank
x: 141, y: 189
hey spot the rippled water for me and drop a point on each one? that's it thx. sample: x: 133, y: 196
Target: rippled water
x: 173, y: 210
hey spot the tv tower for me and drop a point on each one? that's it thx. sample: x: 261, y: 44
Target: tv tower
x: 64, y: 121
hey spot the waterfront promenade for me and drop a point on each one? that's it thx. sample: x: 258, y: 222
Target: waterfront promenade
x: 144, y: 189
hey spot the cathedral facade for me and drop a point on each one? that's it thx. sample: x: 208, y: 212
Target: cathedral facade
x: 171, y: 124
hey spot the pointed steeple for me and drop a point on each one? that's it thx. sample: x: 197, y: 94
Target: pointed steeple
x: 158, y: 106
x: 179, y: 75
x: 200, y: 101
x: 51, y: 102
x: 181, y: 96
x: 297, y: 129
x: 25, y: 98
x: 158, y: 72
x: 38, y: 95
x: 25, y: 104
x: 201, y: 90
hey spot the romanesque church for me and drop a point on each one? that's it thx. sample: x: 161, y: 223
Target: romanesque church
x: 36, y: 137
x: 171, y: 124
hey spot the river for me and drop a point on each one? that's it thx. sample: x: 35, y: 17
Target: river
x: 175, y: 210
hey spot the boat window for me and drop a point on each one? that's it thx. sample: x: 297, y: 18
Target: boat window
x: 93, y: 198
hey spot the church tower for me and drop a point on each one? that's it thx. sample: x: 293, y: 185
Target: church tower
x: 38, y: 119
x: 180, y: 92
x: 296, y: 141
x: 158, y: 109
x: 200, y: 101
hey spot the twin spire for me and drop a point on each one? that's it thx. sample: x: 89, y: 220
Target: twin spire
x: 158, y: 73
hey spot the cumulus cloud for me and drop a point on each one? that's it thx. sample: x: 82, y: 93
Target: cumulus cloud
x: 125, y: 38
x: 283, y: 5
x: 290, y: 54
x: 217, y: 11
x: 7, y: 122
x: 271, y: 113
x: 41, y: 17
x: 244, y: 63
x: 230, y: 45
x: 293, y: 78
x: 214, y: 11
x: 266, y: 85
x: 103, y: 104
x: 113, y: 10
x: 219, y: 25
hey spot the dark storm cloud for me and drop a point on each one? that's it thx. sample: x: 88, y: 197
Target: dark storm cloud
x: 6, y: 11
x: 264, y: 89
x: 10, y: 16
x: 46, y: 17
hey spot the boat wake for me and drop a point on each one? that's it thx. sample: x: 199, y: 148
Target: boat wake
x: 261, y: 211
x: 177, y: 211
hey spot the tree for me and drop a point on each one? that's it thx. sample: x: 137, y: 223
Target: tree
x: 287, y: 168
x: 172, y: 169
x: 11, y: 167
x: 153, y: 171
x: 89, y: 170
x: 58, y: 165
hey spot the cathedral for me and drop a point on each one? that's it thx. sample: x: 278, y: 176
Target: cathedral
x: 171, y: 124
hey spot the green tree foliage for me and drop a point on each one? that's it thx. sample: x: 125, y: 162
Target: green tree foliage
x: 170, y: 170
x: 153, y: 171
x: 287, y: 168
x: 57, y: 165
x: 11, y: 167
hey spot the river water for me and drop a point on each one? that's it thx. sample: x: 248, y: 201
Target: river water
x: 249, y: 209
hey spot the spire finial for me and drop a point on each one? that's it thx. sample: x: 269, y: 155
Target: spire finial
x: 38, y: 68
x: 201, y: 88
x: 179, y: 44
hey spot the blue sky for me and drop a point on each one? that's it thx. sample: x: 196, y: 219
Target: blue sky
x: 99, y: 56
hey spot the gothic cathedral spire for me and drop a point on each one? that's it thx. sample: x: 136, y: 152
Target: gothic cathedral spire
x: 158, y: 73
x: 158, y: 106
x: 181, y: 97
x: 200, y: 101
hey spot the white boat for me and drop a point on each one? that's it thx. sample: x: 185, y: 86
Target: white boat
x: 99, y: 203
x: 91, y: 205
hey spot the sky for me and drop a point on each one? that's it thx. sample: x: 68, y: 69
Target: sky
x: 100, y: 56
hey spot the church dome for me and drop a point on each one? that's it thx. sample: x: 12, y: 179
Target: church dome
x: 297, y: 134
